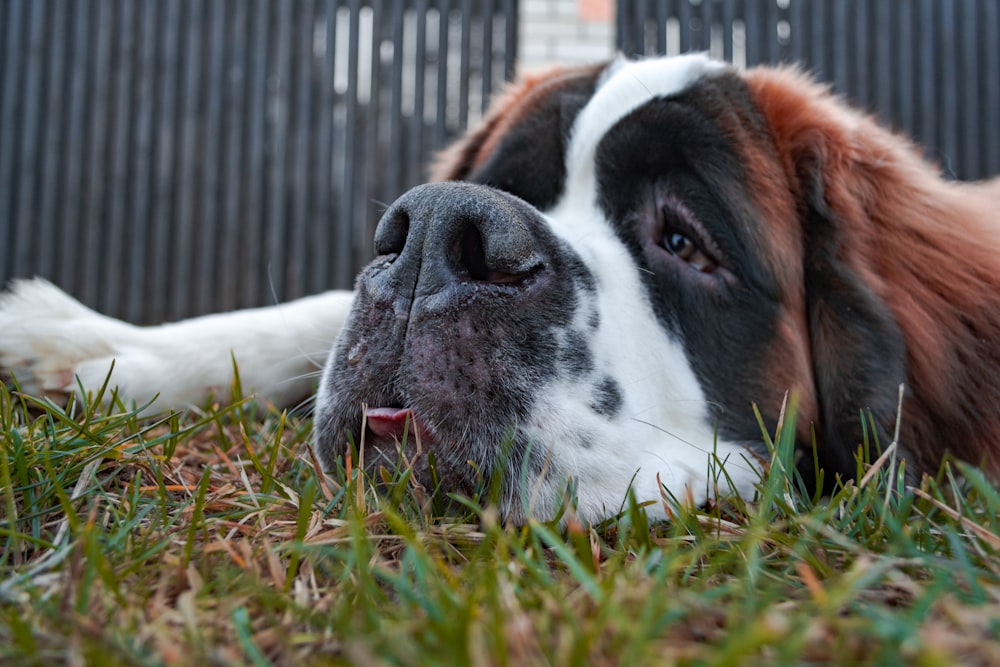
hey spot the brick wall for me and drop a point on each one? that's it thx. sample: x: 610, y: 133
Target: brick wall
x: 565, y: 31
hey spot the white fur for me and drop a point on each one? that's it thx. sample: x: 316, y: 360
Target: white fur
x: 626, y: 86
x: 47, y: 340
x: 665, y: 428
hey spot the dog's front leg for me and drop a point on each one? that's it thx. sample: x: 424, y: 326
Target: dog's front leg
x: 48, y: 340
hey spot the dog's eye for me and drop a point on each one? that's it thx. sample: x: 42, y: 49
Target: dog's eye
x: 683, y: 248
x: 680, y: 245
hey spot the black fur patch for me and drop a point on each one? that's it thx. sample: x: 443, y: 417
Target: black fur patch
x: 575, y: 357
x: 859, y: 356
x: 608, y: 398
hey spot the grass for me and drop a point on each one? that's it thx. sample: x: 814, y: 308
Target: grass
x: 214, y: 539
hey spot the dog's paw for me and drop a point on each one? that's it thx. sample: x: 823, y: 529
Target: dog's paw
x: 48, y: 339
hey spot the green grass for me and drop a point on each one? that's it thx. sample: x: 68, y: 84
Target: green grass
x: 215, y: 540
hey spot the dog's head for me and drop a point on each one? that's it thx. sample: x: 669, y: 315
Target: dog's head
x: 625, y: 260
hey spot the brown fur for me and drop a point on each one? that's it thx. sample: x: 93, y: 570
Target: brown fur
x: 929, y: 248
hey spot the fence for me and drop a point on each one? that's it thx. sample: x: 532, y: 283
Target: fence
x: 930, y: 68
x: 163, y: 158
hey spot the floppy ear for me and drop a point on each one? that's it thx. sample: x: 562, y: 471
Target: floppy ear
x: 527, y: 121
x: 835, y: 161
x: 858, y: 350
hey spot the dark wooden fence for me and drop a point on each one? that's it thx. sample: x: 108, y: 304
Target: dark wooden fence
x: 930, y: 68
x: 163, y: 158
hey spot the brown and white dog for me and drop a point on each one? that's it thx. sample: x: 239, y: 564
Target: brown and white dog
x: 620, y: 262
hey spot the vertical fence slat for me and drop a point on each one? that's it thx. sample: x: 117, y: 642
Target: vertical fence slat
x: 798, y: 20
x: 70, y: 194
x: 465, y: 54
x: 205, y: 283
x: 251, y: 239
x: 768, y: 37
x: 232, y: 223
x: 948, y: 89
x: 840, y: 68
x: 927, y: 54
x: 87, y: 284
x: 441, y: 78
x: 293, y: 265
x: 52, y: 146
x: 753, y: 22
x: 419, y: 92
x: 26, y: 188
x: 316, y: 146
x: 11, y: 73
x: 344, y: 252
x: 989, y: 102
x: 662, y: 12
x: 186, y: 167
x: 489, y: 10
x: 684, y: 18
x: 968, y: 69
x: 157, y: 258
x: 365, y: 204
x: 905, y: 103
x: 140, y: 170
x: 278, y: 110
x: 510, y: 48
x: 322, y: 227
x: 116, y: 165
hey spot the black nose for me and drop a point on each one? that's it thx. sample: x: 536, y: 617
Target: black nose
x: 448, y: 233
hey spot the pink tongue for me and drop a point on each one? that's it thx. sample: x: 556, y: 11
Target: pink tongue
x: 391, y: 422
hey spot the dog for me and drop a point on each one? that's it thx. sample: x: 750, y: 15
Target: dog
x: 607, y: 281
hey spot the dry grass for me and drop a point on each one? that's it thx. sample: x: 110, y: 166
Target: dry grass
x: 215, y: 540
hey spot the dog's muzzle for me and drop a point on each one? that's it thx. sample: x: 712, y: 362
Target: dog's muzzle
x: 456, y: 325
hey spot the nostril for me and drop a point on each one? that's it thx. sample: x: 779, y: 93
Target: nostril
x: 473, y: 261
x: 471, y: 255
x: 392, y: 231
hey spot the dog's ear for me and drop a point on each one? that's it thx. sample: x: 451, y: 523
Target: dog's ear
x: 526, y: 123
x: 858, y: 350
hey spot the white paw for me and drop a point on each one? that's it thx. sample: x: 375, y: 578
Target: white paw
x: 47, y: 339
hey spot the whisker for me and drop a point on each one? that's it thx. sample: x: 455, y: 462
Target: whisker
x: 305, y: 406
x: 383, y: 207
x: 270, y: 285
x: 302, y: 376
x: 689, y: 443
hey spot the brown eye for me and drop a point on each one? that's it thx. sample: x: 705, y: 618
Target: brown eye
x: 684, y: 239
x: 680, y: 245
x: 684, y: 249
